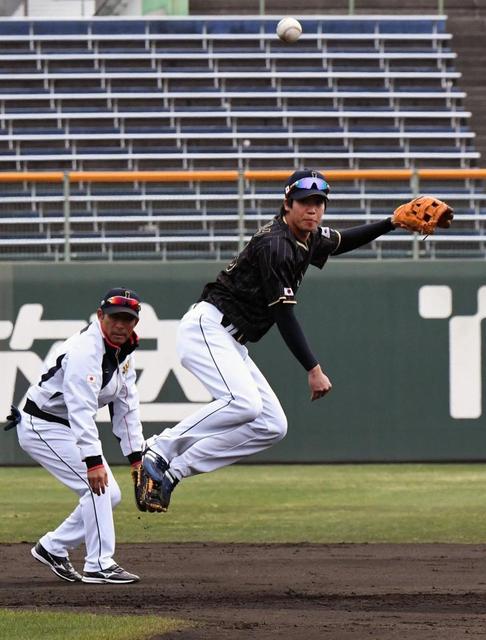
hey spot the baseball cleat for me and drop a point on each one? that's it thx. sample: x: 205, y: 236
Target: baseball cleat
x: 154, y: 464
x: 113, y: 575
x: 165, y: 489
x: 61, y: 566
x: 164, y: 481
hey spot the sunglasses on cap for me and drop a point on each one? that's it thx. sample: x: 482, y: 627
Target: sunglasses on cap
x: 121, y: 301
x: 308, y: 183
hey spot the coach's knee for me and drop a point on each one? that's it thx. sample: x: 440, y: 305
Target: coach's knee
x: 115, y: 494
x: 24, y: 437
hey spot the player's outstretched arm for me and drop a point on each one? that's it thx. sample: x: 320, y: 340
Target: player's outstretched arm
x: 358, y: 236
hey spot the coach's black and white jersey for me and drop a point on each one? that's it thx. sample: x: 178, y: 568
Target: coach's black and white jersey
x: 87, y: 373
x: 268, y: 271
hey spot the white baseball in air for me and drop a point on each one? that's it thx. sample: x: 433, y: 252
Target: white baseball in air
x: 289, y: 29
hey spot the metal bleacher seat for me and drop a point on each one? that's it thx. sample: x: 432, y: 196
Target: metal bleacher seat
x: 241, y: 129
x: 199, y: 93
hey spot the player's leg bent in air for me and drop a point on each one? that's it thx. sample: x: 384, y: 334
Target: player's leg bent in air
x: 244, y: 418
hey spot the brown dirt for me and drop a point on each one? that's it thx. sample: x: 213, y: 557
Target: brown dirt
x: 265, y: 592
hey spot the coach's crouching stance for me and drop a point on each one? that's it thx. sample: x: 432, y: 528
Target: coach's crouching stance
x: 256, y: 290
x: 57, y: 428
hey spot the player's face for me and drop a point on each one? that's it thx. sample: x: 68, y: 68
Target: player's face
x: 117, y: 327
x: 304, y: 215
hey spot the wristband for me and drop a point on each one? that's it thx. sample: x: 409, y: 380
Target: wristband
x: 135, y: 458
x: 98, y: 466
x: 94, y: 461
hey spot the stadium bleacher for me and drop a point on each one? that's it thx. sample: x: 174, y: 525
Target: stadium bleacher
x: 356, y: 92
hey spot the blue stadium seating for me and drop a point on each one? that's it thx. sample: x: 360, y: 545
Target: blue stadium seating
x: 213, y: 93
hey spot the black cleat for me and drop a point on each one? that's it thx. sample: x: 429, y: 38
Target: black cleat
x: 164, y: 481
x: 113, y: 575
x: 62, y: 567
x: 154, y: 464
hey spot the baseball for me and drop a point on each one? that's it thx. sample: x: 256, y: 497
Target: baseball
x: 289, y: 29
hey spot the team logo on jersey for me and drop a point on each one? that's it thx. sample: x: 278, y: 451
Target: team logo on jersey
x: 232, y: 265
x: 288, y: 291
x: 265, y: 229
x: 90, y: 378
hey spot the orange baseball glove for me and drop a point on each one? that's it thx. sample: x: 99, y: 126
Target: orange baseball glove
x: 423, y: 215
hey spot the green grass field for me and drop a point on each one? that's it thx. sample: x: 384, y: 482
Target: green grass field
x: 31, y: 625
x: 276, y: 503
x: 322, y: 503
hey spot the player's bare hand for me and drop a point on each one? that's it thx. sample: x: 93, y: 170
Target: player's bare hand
x: 319, y: 383
x: 98, y: 480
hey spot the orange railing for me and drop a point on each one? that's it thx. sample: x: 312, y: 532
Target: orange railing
x: 413, y: 176
x: 233, y: 176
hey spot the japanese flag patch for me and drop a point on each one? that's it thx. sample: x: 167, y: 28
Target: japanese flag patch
x: 90, y: 378
x: 288, y: 291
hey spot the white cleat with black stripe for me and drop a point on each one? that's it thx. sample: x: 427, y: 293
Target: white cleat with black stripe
x: 113, y: 575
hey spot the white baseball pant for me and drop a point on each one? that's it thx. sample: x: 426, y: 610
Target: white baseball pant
x: 54, y: 447
x: 245, y: 416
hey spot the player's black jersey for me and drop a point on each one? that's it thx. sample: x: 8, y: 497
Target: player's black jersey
x: 268, y: 271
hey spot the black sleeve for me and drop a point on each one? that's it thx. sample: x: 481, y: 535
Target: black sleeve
x: 134, y: 457
x: 358, y: 236
x: 293, y: 335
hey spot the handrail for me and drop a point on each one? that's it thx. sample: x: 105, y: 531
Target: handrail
x: 233, y: 175
x: 67, y: 178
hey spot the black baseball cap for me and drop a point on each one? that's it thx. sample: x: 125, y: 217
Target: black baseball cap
x: 121, y: 300
x: 305, y: 183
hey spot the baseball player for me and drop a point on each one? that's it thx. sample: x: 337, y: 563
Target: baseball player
x: 257, y: 289
x: 57, y: 428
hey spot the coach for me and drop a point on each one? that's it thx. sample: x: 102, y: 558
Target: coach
x: 93, y: 368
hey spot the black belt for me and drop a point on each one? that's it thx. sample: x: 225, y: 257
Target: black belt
x: 33, y: 410
x: 238, y: 335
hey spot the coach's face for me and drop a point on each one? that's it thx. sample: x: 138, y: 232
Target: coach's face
x: 117, y: 327
x: 304, y: 216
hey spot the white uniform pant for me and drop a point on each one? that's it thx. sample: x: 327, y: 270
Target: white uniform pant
x: 54, y: 447
x: 245, y: 416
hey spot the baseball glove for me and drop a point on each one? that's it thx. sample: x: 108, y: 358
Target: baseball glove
x: 423, y: 215
x: 147, y: 497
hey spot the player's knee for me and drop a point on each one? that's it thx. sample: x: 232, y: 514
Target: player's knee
x: 248, y: 406
x: 278, y: 426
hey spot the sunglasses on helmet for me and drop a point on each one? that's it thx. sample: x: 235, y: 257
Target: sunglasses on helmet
x: 308, y: 183
x: 121, y: 301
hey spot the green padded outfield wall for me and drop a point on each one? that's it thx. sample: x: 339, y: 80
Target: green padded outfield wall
x: 403, y: 344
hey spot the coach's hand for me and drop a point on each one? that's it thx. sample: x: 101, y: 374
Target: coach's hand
x: 319, y: 383
x: 98, y: 479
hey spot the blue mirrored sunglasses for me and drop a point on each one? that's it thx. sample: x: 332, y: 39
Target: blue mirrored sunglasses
x: 309, y: 183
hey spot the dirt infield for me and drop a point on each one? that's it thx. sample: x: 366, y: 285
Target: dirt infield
x: 304, y: 592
